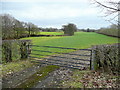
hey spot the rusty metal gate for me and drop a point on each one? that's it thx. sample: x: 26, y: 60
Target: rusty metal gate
x: 61, y: 56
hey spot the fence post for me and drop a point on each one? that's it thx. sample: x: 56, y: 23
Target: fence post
x: 23, y: 50
x: 93, y: 59
x: 24, y: 47
x: 28, y: 49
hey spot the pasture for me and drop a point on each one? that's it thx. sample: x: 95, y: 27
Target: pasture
x: 80, y: 40
x: 51, y: 33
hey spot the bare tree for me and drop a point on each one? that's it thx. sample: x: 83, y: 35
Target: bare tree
x: 13, y: 28
x: 7, y: 23
x: 32, y: 29
x: 111, y: 9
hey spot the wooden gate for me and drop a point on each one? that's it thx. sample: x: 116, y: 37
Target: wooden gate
x: 65, y: 57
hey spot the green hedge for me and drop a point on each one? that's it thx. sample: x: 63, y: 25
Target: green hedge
x: 109, y: 32
x: 13, y: 50
x: 106, y: 57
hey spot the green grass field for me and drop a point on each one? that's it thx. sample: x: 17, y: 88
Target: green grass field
x: 80, y: 40
x: 51, y: 33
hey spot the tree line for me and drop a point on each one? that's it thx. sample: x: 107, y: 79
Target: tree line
x: 14, y: 29
x: 68, y: 29
x: 49, y: 29
x: 112, y: 30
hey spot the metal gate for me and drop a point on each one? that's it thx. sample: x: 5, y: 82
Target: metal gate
x: 61, y: 56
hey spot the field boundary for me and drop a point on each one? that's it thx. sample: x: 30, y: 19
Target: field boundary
x: 79, y: 58
x: 109, y: 35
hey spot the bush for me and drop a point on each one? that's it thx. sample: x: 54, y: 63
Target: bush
x: 107, y: 57
x: 109, y: 32
x: 14, y: 50
x: 69, y: 29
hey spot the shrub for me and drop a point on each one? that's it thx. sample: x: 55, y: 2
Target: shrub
x: 107, y: 57
x: 14, y: 50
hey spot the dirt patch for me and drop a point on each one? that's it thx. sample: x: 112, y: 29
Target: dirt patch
x: 14, y: 79
x: 55, y: 78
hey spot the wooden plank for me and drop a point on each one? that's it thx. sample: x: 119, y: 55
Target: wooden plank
x: 60, y: 53
x: 63, y: 65
x: 74, y: 61
x: 61, y: 61
x: 66, y: 58
x: 63, y: 53
x: 61, y: 47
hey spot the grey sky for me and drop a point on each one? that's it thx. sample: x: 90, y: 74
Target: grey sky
x: 55, y: 13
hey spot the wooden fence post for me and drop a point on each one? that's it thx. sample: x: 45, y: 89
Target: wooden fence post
x: 24, y: 47
x: 23, y: 50
x: 28, y: 49
x: 93, y: 60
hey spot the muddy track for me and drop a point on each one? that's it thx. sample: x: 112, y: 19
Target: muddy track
x: 14, y: 79
x: 54, y: 78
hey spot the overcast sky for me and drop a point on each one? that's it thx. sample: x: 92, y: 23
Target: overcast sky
x: 55, y: 13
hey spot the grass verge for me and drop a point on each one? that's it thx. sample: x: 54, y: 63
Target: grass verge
x: 14, y: 67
